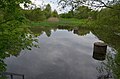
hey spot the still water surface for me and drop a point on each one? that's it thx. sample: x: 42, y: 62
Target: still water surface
x: 63, y: 55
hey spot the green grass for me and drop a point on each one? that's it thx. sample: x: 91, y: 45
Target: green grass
x: 63, y: 22
x: 72, y: 22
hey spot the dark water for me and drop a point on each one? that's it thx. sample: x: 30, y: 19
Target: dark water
x: 62, y: 55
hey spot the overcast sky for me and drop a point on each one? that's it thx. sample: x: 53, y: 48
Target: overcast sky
x: 53, y: 4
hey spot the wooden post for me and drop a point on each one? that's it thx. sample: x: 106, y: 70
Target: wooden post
x: 99, y: 52
x: 75, y: 30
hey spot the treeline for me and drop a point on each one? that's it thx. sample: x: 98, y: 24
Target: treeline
x: 82, y: 12
x: 106, y: 16
x: 38, y: 14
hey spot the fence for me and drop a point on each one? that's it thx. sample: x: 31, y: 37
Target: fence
x: 12, y: 74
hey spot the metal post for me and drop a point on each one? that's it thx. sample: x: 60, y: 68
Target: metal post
x: 11, y: 76
x: 23, y: 76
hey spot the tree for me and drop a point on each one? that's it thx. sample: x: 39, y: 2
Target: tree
x: 47, y: 11
x: 14, y: 34
x: 90, y: 3
x: 67, y: 15
x: 109, y: 17
x: 93, y: 14
x: 82, y: 12
x: 55, y: 13
x: 35, y: 15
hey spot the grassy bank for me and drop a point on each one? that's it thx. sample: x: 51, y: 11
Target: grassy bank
x: 82, y: 23
x: 64, y: 22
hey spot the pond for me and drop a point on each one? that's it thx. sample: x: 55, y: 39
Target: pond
x: 63, y: 53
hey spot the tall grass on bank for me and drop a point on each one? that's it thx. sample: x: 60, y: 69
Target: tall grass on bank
x: 63, y: 22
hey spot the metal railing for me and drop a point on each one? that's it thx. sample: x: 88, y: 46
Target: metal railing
x: 12, y: 74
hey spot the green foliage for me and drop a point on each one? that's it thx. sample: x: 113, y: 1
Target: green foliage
x: 82, y: 12
x: 117, y: 65
x: 14, y: 34
x: 35, y: 15
x: 47, y: 11
x: 109, y: 17
x: 67, y: 15
x: 55, y: 13
x: 93, y: 14
x: 40, y: 15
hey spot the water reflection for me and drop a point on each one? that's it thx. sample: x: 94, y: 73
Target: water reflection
x: 113, y: 40
x: 64, y: 55
x: 105, y: 69
x: 76, y: 30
